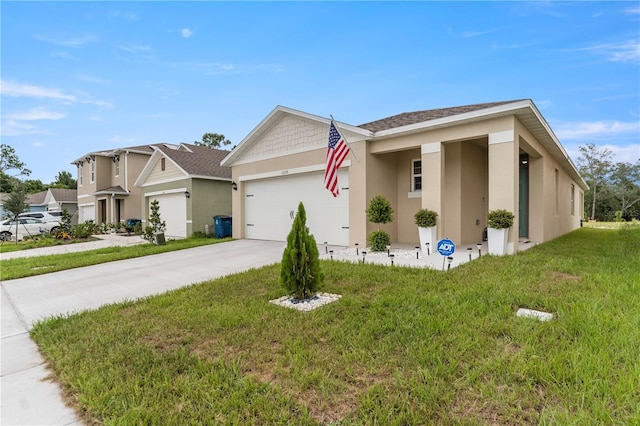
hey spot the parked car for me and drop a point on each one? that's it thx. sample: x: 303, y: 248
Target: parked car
x: 43, y: 216
x: 26, y: 226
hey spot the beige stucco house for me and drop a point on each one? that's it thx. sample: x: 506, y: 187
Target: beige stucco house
x: 106, y: 191
x: 461, y: 162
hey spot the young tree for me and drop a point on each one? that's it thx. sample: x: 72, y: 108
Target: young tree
x: 15, y: 204
x: 156, y: 224
x: 595, y: 165
x: 380, y: 212
x: 300, y: 272
x: 9, y: 161
x: 213, y: 140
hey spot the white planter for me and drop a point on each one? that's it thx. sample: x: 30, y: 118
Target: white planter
x: 428, y: 235
x: 498, y: 239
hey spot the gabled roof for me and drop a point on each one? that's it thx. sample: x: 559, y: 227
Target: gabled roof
x: 420, y: 121
x: 275, y: 116
x: 36, y: 199
x: 139, y: 149
x: 64, y: 195
x: 407, y: 118
x: 199, y: 160
x: 193, y: 161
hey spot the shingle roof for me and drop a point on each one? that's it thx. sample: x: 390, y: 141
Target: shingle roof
x: 199, y: 160
x: 37, y: 198
x: 408, y: 118
x: 112, y: 189
x: 64, y: 195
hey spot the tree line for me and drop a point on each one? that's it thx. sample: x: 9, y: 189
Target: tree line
x: 11, y: 168
x: 614, y: 187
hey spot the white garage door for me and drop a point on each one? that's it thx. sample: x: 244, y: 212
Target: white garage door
x: 86, y: 213
x: 271, y: 205
x: 173, y: 210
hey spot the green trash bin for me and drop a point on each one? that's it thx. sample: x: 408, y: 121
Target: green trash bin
x: 222, y: 226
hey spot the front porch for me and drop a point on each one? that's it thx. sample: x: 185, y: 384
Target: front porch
x: 462, y: 180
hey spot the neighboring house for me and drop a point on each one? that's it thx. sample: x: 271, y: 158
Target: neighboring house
x: 106, y: 193
x: 189, y: 184
x: 461, y: 162
x: 53, y: 199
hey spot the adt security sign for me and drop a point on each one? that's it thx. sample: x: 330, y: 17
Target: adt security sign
x: 446, y: 247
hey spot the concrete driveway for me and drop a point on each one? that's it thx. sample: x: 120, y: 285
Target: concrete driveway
x: 28, y: 398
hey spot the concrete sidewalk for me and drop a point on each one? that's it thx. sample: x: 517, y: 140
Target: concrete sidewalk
x: 28, y: 396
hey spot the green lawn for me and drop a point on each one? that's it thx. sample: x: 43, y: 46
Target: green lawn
x: 402, y: 346
x: 29, y: 266
x: 38, y: 242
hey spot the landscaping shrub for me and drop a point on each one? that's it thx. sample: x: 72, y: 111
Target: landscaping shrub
x: 300, y: 270
x: 379, y: 211
x: 83, y: 230
x: 156, y: 224
x: 379, y: 240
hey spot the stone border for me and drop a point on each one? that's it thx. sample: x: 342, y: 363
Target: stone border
x: 306, y: 305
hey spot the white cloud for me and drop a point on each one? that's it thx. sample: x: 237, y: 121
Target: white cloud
x: 621, y: 153
x: 595, y: 129
x: 186, y: 32
x: 18, y: 90
x: 471, y: 34
x: 634, y: 11
x: 70, y: 42
x: 17, y: 124
x: 626, y: 51
x: 135, y: 48
x: 36, y: 114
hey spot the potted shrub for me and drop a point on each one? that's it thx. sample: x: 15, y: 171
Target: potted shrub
x: 426, y: 221
x: 498, y: 224
x: 379, y: 211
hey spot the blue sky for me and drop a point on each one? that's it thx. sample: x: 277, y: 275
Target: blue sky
x: 85, y: 76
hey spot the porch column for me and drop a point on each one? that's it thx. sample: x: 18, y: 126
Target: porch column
x: 503, y: 178
x: 433, y: 181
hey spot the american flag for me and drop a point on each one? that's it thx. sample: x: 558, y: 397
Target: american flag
x: 336, y: 153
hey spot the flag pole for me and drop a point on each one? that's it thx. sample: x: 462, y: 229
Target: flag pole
x: 345, y: 138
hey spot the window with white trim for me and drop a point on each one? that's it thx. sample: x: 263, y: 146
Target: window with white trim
x: 92, y: 163
x: 117, y: 165
x: 573, y: 200
x: 80, y: 174
x: 416, y: 175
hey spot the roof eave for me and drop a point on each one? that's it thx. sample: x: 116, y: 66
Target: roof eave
x: 275, y: 114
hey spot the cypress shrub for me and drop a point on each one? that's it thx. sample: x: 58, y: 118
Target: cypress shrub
x: 300, y: 272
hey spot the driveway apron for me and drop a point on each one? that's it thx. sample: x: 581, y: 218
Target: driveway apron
x: 27, y: 396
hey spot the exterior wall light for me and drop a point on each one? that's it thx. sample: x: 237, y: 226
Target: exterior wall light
x: 187, y: 194
x: 234, y: 186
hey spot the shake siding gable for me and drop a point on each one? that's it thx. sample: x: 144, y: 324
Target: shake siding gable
x: 289, y: 135
x: 171, y: 172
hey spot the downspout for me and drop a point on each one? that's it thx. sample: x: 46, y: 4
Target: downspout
x: 112, y: 208
x: 126, y: 171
